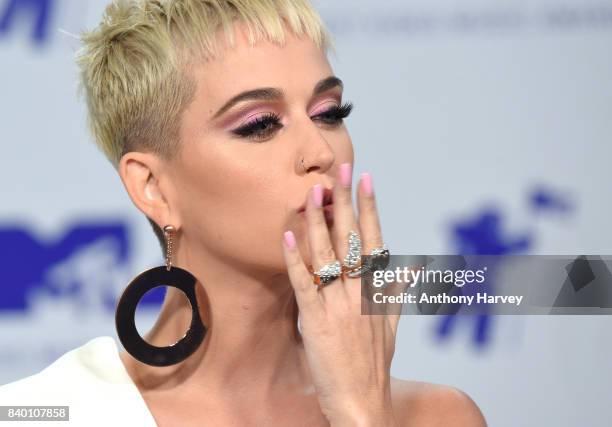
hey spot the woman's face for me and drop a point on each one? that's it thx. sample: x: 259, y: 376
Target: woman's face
x: 235, y: 195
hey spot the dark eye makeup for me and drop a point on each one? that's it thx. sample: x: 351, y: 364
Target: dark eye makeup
x: 264, y: 126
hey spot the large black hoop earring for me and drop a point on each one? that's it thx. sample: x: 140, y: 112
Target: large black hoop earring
x: 126, y: 311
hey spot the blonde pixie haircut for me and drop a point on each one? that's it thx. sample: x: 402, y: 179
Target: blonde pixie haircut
x: 134, y: 66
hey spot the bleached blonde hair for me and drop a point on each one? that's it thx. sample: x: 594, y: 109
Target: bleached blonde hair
x: 134, y: 64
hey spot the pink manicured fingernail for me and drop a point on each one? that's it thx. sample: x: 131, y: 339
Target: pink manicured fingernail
x: 317, y: 194
x: 366, y: 182
x: 289, y: 239
x: 345, y: 174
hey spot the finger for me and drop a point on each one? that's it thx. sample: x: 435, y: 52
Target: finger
x: 369, y: 225
x: 319, y: 240
x: 306, y: 294
x: 369, y: 222
x: 344, y: 214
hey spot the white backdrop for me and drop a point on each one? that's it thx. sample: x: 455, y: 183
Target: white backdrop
x: 464, y: 110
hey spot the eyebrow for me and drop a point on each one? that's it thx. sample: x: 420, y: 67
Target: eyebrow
x: 273, y: 94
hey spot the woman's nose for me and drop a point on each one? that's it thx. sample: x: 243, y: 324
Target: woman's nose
x: 317, y: 153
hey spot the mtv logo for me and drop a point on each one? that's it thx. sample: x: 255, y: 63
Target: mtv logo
x: 85, y: 270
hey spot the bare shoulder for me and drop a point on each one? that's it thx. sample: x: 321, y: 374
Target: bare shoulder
x: 418, y: 403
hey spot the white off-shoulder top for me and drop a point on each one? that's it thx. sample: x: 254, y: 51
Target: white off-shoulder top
x: 92, y: 381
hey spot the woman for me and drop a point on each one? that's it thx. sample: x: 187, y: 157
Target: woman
x: 224, y: 121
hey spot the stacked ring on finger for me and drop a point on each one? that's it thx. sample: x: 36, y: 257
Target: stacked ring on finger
x: 352, y: 261
x: 327, y: 274
x: 353, y: 257
x: 332, y: 271
x: 352, y: 266
x: 379, y: 260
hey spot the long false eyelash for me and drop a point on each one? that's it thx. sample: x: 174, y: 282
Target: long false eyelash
x: 250, y: 130
x: 335, y: 114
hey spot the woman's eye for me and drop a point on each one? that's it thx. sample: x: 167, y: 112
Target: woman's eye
x: 264, y: 126
x: 260, y: 128
x: 335, y: 114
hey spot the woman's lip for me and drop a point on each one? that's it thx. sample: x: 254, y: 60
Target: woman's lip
x: 328, y: 199
x: 328, y: 212
x: 326, y: 208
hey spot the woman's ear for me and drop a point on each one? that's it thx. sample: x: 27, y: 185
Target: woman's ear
x: 142, y: 176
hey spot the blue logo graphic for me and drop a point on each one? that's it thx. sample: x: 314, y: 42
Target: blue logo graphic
x: 38, y: 13
x: 484, y: 235
x: 80, y: 270
x: 545, y: 200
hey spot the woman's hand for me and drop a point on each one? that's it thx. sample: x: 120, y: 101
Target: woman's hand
x: 349, y: 354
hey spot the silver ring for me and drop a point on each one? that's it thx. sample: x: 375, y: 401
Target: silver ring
x: 328, y: 273
x: 357, y: 272
x: 383, y: 250
x: 380, y: 257
x: 378, y: 260
x: 353, y: 257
